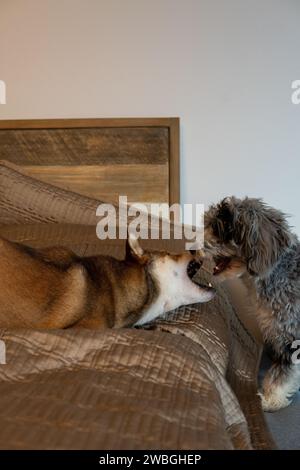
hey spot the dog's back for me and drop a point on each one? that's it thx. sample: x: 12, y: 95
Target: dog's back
x: 54, y: 288
x: 35, y: 285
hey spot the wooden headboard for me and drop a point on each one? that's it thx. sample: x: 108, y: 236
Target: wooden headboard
x: 100, y: 158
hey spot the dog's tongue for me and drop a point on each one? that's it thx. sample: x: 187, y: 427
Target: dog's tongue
x: 221, y: 265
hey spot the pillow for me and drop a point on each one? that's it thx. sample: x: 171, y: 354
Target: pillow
x: 26, y: 200
x: 82, y: 239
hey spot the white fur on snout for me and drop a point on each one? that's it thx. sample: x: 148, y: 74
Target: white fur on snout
x: 175, y: 288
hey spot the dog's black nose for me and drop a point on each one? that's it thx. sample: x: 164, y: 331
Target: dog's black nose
x: 193, y: 267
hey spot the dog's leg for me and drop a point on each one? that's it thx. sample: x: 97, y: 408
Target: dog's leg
x: 279, y: 386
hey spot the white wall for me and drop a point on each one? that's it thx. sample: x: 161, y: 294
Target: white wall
x: 224, y: 67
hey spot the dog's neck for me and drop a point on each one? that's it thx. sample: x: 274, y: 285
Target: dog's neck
x: 141, y: 292
x: 151, y: 294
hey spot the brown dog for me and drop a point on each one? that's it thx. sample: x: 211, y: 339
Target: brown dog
x: 54, y: 288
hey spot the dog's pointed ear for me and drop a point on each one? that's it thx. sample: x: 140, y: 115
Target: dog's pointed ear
x: 133, y: 247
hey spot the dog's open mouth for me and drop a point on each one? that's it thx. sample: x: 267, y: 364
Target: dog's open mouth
x: 192, y: 269
x: 222, y: 263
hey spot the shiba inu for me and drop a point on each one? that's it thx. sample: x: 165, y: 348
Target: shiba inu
x: 53, y: 288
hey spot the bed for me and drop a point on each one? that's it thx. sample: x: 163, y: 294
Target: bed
x: 185, y: 381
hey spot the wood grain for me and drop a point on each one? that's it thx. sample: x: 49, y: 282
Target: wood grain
x: 101, y: 158
x: 107, y: 182
x: 88, y: 146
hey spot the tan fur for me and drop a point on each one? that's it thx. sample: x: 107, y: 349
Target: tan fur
x: 53, y: 288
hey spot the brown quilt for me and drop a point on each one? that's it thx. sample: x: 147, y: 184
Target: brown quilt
x: 187, y: 381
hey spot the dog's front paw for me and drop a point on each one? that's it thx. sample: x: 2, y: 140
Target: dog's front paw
x: 273, y: 401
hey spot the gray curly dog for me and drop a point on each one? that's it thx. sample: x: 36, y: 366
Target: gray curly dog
x: 246, y: 237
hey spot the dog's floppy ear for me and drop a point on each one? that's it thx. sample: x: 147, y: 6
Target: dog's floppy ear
x: 222, y: 224
x: 133, y: 247
x: 246, y: 236
x: 262, y: 233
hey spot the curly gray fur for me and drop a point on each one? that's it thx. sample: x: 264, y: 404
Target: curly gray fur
x: 261, y: 238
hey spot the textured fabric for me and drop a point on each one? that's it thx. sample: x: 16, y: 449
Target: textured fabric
x: 27, y: 200
x: 186, y: 381
x: 82, y: 239
x: 24, y: 199
x: 120, y: 389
